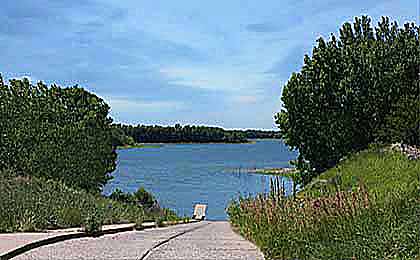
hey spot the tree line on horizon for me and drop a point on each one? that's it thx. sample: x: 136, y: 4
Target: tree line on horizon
x: 129, y: 134
x: 354, y: 90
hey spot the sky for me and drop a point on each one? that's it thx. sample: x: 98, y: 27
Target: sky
x: 218, y: 63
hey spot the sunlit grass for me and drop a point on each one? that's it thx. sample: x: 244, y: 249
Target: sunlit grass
x: 366, y: 208
x: 34, y: 204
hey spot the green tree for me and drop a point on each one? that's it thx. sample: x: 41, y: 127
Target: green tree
x: 54, y: 132
x: 354, y: 90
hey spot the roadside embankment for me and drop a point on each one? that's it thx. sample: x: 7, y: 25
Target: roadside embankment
x: 367, y: 207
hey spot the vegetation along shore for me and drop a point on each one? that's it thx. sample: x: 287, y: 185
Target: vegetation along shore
x: 128, y: 134
x: 57, y: 152
x: 355, y: 96
x: 132, y: 146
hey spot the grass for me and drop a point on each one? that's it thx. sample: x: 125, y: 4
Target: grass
x: 382, y: 171
x: 33, y: 204
x: 368, y: 207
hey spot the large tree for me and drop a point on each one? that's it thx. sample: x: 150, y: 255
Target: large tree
x: 54, y: 132
x: 354, y: 90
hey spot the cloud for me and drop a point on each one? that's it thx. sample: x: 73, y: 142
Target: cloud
x: 156, y: 59
x: 124, y: 105
x: 212, y: 77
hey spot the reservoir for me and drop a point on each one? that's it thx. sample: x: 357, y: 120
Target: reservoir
x: 181, y: 175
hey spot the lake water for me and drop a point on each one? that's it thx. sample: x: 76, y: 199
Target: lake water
x: 181, y: 175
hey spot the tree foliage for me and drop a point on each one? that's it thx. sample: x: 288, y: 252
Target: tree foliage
x: 178, y: 133
x: 119, y: 138
x: 189, y: 134
x: 56, y: 133
x: 354, y: 90
x: 140, y: 197
x: 261, y: 134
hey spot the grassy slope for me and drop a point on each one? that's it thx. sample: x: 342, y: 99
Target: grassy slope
x: 382, y: 172
x: 314, y: 227
x: 32, y: 204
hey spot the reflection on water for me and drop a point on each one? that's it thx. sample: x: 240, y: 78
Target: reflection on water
x: 185, y: 174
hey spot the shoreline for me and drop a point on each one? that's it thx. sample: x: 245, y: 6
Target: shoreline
x: 285, y: 171
x: 139, y: 146
x: 159, y: 145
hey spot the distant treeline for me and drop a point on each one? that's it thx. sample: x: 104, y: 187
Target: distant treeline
x: 261, y: 134
x: 128, y: 134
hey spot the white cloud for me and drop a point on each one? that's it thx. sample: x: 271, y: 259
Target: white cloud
x: 215, y: 78
x: 124, y: 105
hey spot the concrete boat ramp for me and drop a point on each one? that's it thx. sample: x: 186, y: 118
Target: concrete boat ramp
x: 203, y: 240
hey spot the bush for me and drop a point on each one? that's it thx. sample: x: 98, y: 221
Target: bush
x: 34, y: 204
x: 119, y: 195
x: 141, y: 197
x: 144, y: 198
x: 139, y: 222
x: 359, y: 88
x: 93, y: 222
x: 55, y: 133
x: 70, y: 217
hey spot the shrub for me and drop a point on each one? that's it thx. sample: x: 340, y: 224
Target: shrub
x: 355, y: 89
x: 141, y: 197
x: 34, y: 204
x: 55, y: 133
x: 70, y: 217
x: 139, y: 222
x: 119, y: 195
x: 144, y: 198
x: 93, y: 223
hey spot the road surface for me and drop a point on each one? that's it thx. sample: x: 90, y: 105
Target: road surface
x: 204, y: 240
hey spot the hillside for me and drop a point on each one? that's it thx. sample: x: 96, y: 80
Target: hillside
x: 367, y: 207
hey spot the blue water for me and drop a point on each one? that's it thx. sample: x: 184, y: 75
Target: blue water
x: 181, y: 175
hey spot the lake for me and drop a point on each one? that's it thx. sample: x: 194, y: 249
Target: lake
x: 181, y: 175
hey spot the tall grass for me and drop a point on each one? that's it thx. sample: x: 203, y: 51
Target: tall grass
x: 342, y: 218
x: 34, y: 204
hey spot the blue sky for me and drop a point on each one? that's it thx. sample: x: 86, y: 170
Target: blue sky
x: 213, y: 62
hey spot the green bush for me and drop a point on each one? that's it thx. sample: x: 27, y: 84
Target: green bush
x: 55, y: 133
x: 355, y: 89
x: 145, y: 198
x: 119, y: 195
x: 93, y: 222
x: 70, y: 217
x: 139, y: 222
x: 34, y: 204
x: 140, y: 197
x: 57, y: 149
